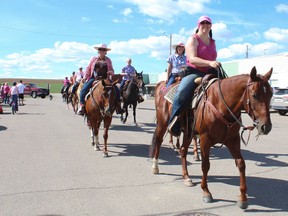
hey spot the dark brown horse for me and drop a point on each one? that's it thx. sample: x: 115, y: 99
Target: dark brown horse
x: 218, y: 120
x: 99, y: 107
x: 130, y: 95
x: 163, y: 109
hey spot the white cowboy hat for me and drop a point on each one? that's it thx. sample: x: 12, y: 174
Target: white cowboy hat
x: 103, y: 46
x: 177, y: 45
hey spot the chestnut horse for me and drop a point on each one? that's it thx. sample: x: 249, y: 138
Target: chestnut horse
x: 100, y: 106
x: 217, y: 119
x: 130, y: 95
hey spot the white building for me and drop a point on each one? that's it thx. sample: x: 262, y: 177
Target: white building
x: 263, y: 64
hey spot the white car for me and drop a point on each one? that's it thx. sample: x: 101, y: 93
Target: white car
x: 279, y: 101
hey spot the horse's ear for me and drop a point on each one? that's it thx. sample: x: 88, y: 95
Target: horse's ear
x: 253, y: 74
x: 267, y: 76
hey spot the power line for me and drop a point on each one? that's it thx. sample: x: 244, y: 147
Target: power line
x: 54, y: 34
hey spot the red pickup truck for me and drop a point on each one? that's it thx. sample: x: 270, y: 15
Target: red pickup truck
x: 35, y: 91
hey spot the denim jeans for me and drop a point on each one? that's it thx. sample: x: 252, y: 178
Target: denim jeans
x: 171, y: 79
x: 15, y: 100
x: 184, y: 93
x: 122, y: 84
x: 87, y: 85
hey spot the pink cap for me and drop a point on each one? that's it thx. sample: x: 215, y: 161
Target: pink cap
x: 203, y: 18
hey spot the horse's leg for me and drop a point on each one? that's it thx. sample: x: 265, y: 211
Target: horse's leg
x: 234, y: 148
x: 156, y: 144
x: 195, y: 149
x: 107, y: 121
x: 183, y: 153
x: 126, y: 113
x: 205, y: 152
x: 134, y: 113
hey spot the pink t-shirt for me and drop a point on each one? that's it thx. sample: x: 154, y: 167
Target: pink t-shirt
x: 90, y: 68
x: 207, y: 52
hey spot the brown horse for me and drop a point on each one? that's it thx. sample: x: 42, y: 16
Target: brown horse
x: 218, y: 120
x: 163, y: 109
x: 130, y: 95
x: 100, y: 106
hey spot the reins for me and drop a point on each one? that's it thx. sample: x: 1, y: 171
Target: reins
x: 244, y: 128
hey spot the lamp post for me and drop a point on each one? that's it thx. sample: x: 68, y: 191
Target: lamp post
x: 170, y: 42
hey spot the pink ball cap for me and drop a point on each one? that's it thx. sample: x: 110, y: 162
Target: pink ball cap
x: 203, y: 18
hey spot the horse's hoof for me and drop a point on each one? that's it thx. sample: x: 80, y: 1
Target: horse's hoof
x: 196, y: 158
x: 155, y: 171
x: 242, y: 205
x: 208, y: 198
x: 188, y: 182
x: 96, y: 148
x: 105, y: 154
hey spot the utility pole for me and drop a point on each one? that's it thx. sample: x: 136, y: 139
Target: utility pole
x: 170, y: 44
x: 247, y: 51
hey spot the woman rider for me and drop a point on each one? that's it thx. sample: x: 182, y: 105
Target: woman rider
x: 201, y: 60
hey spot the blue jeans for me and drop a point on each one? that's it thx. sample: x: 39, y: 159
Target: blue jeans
x: 15, y: 100
x: 184, y: 93
x: 171, y: 79
x: 122, y: 84
x: 87, y: 85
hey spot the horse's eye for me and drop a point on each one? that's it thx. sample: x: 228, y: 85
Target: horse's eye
x: 256, y: 96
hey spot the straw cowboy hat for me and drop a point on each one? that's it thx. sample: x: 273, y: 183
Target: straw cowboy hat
x: 177, y: 45
x: 103, y: 46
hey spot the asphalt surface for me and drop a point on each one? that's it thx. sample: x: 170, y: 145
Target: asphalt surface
x: 48, y: 167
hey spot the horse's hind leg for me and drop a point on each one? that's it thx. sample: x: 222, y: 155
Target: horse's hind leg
x: 95, y: 140
x: 195, y: 149
x: 240, y: 163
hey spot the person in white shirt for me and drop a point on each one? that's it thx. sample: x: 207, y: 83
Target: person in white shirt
x: 21, y: 88
x: 14, y: 92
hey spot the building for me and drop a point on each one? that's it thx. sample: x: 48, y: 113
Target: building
x: 278, y: 62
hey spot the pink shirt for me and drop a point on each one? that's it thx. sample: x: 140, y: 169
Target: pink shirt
x: 90, y: 68
x: 6, y: 89
x: 207, y: 52
x: 14, y: 90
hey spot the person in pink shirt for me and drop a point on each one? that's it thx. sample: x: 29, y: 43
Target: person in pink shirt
x: 201, y: 60
x: 90, y: 76
x: 6, y: 90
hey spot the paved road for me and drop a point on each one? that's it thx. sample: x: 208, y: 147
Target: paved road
x: 48, y: 167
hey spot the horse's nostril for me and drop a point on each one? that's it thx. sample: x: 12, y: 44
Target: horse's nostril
x: 266, y: 128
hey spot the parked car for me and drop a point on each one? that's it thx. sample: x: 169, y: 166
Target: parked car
x: 279, y: 101
x: 35, y: 91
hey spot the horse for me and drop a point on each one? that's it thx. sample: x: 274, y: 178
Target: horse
x: 100, y: 106
x: 163, y: 109
x: 217, y: 119
x: 130, y: 95
x: 75, y: 97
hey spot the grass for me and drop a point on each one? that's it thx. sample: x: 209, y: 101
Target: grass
x: 55, y: 85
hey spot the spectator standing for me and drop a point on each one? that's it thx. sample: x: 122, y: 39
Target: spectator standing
x: 14, y: 92
x: 21, y: 88
x: 6, y: 93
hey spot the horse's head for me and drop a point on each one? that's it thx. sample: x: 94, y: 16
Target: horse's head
x: 139, y: 79
x: 257, y: 103
x: 101, y: 69
x: 105, y: 96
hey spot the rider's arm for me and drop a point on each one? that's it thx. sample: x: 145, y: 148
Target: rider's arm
x: 169, y: 70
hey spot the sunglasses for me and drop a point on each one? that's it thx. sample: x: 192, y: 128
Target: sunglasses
x: 101, y: 49
x: 205, y: 22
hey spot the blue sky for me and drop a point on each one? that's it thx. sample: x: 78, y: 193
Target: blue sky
x: 53, y: 38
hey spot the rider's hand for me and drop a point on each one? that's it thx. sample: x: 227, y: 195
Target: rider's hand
x: 215, y: 64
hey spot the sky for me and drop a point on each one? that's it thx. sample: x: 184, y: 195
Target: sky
x: 49, y: 39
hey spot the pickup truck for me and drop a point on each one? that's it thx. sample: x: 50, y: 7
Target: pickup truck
x: 35, y: 91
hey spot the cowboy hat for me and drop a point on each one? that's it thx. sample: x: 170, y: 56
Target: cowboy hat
x: 177, y: 45
x: 103, y: 46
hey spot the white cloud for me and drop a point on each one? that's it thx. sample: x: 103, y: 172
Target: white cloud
x: 85, y: 19
x: 282, y: 8
x: 276, y: 34
x: 127, y: 11
x: 171, y: 8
